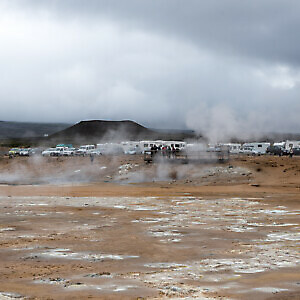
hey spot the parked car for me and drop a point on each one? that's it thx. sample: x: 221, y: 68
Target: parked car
x: 58, y: 151
x: 249, y: 150
x: 25, y: 152
x: 296, y: 151
x: 275, y: 150
x: 85, y: 150
x: 48, y: 151
x: 69, y: 152
x: 64, y: 146
x: 96, y: 152
x: 14, y: 151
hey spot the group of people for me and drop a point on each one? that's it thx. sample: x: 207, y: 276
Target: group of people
x: 164, y: 151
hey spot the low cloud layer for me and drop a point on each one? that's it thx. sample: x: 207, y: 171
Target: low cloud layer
x: 220, y: 66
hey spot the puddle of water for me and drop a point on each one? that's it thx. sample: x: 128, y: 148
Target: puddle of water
x: 171, y: 240
x: 164, y: 265
x: 142, y: 208
x: 120, y: 206
x: 79, y: 285
x: 165, y: 233
x: 7, y: 229
x: 278, y: 236
x: 99, y: 275
x: 240, y: 228
x: 68, y: 254
x: 27, y: 236
x: 270, y: 289
x: 9, y: 296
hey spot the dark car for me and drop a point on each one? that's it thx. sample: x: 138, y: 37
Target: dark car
x: 275, y: 150
x: 296, y: 151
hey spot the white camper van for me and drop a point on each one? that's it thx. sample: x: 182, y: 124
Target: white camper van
x: 147, y: 145
x: 292, y: 144
x: 280, y: 144
x: 255, y: 148
x: 178, y: 145
x: 233, y: 148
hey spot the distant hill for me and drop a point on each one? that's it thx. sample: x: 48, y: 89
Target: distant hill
x: 98, y: 130
x: 12, y: 130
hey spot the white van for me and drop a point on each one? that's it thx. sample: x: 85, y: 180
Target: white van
x: 292, y: 144
x: 85, y: 150
x: 255, y: 148
x: 178, y: 145
x: 147, y: 145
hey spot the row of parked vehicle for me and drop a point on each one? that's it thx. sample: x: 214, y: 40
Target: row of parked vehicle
x: 59, y: 150
x: 24, y: 151
x: 139, y: 147
x: 129, y: 147
x: 280, y: 151
x: 260, y: 148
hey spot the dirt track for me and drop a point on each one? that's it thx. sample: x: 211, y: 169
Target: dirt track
x: 118, y: 228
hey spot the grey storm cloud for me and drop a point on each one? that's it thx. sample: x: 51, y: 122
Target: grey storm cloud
x: 220, y: 66
x: 259, y: 29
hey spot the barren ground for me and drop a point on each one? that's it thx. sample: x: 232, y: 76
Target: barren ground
x: 120, y: 229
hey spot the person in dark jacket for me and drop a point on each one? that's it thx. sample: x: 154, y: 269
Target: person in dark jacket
x: 92, y: 158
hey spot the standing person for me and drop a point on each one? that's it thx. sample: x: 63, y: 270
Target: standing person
x: 164, y: 151
x: 152, y: 151
x: 173, y: 152
x: 169, y: 152
x: 92, y: 158
x: 291, y: 152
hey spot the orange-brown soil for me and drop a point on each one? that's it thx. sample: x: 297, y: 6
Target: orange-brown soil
x: 118, y: 228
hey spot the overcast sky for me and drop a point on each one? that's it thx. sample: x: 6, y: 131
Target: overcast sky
x: 216, y: 65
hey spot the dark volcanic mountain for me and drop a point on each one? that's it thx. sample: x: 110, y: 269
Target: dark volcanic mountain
x: 98, y: 130
x: 85, y: 132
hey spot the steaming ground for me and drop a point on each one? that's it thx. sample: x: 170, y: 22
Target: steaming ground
x: 121, y: 169
x: 121, y: 229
